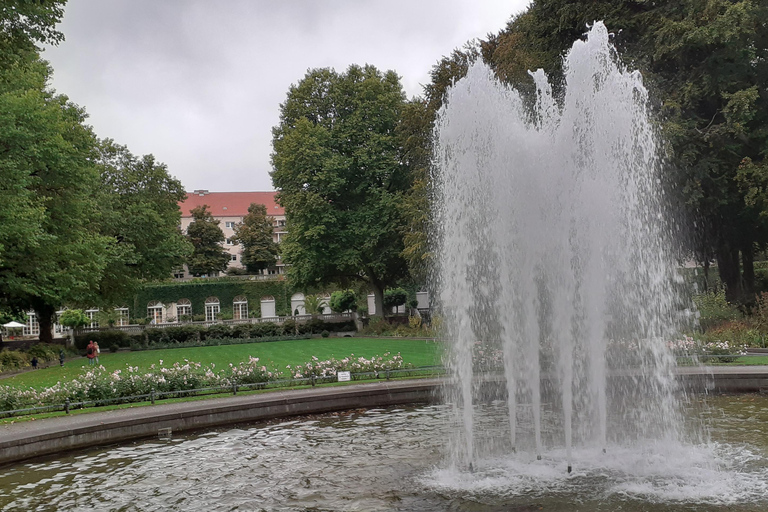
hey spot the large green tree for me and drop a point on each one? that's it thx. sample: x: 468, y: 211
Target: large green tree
x: 81, y: 223
x: 47, y: 165
x: 208, y: 255
x: 705, y: 64
x: 256, y: 237
x: 339, y: 176
x: 140, y: 213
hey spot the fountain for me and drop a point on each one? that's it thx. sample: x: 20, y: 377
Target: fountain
x: 557, y: 288
x: 554, y: 274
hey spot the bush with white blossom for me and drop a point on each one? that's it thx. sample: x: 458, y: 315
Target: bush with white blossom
x: 99, y: 384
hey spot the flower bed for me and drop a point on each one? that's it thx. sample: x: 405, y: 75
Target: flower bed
x: 99, y: 384
x: 713, y: 351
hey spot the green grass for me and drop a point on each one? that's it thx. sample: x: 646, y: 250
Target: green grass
x: 276, y: 354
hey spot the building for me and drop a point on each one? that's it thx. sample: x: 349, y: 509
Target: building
x: 229, y: 208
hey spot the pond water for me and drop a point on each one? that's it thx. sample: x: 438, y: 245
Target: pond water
x: 395, y: 459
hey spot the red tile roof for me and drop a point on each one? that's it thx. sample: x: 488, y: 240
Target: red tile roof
x: 229, y: 204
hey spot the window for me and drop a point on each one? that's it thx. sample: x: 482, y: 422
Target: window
x: 122, y: 317
x: 92, y: 316
x: 230, y: 225
x: 179, y: 273
x: 155, y: 312
x: 183, y: 308
x: 234, y: 257
x: 230, y: 241
x: 32, y: 328
x: 240, y: 308
x: 211, y: 309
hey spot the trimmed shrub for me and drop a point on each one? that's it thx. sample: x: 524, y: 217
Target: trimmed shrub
x: 218, y: 331
x: 342, y: 301
x: 175, y: 334
x: 105, y: 339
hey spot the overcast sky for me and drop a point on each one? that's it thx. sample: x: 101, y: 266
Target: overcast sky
x: 198, y: 83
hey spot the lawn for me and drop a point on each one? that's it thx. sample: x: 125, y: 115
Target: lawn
x: 275, y: 354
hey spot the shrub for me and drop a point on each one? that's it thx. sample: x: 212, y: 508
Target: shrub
x: 343, y: 300
x: 325, y: 334
x: 114, y: 348
x: 218, y: 331
x: 395, y: 297
x: 44, y: 352
x: 73, y: 318
x: 103, y: 338
x: 175, y: 334
x: 714, y: 309
x: 289, y: 326
x: 13, y: 360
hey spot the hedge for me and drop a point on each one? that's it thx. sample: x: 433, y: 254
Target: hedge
x: 194, y: 333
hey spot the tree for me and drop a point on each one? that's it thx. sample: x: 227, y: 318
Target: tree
x: 255, y: 235
x: 141, y: 215
x: 343, y: 300
x: 338, y: 175
x: 395, y: 297
x: 24, y: 23
x: 47, y: 165
x: 204, y: 233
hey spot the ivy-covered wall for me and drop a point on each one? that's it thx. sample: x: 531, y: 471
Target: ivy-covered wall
x: 198, y: 291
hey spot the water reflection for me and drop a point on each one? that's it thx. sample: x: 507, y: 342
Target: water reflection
x: 394, y: 460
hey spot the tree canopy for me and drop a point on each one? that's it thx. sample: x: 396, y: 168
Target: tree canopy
x: 83, y: 221
x: 255, y: 236
x: 208, y: 255
x: 337, y: 168
x: 706, y: 67
x: 140, y: 213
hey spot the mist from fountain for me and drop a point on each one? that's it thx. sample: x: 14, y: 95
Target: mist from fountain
x: 555, y: 280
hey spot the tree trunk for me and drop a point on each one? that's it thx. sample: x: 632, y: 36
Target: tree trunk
x: 44, y: 315
x: 730, y: 273
x: 748, y: 264
x: 378, y: 294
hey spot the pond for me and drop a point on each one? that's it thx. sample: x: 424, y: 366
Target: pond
x: 394, y: 459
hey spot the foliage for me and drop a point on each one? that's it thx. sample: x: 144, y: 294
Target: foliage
x: 314, y: 304
x: 99, y: 384
x: 140, y: 213
x: 73, y: 318
x: 255, y: 235
x: 208, y: 255
x: 331, y: 367
x: 395, y: 297
x: 24, y: 23
x: 714, y: 309
x: 13, y: 360
x: 107, y: 338
x: 49, y: 252
x: 339, y: 178
x: 343, y: 300
x: 44, y: 352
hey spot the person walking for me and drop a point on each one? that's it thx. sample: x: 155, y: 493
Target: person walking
x: 97, y: 351
x: 34, y: 362
x: 90, y: 352
x: 61, y: 357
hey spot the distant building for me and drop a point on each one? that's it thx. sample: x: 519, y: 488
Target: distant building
x: 229, y: 208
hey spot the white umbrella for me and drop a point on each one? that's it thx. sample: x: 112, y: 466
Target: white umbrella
x: 13, y: 325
